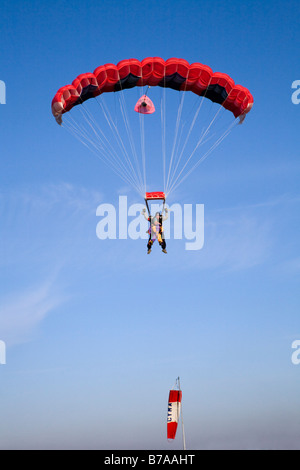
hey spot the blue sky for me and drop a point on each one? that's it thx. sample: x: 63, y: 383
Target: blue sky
x: 97, y: 331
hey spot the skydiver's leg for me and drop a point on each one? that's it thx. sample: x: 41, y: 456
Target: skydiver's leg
x: 162, y: 241
x: 152, y: 238
x: 149, y: 245
x: 163, y: 245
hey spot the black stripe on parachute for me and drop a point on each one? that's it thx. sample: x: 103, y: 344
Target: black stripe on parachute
x: 215, y: 93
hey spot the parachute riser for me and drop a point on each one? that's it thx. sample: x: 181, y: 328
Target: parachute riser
x: 182, y: 425
x: 148, y: 209
x: 155, y: 196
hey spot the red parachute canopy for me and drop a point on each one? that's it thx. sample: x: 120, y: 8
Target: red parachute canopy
x: 186, y: 141
x: 173, y: 73
x: 174, y: 406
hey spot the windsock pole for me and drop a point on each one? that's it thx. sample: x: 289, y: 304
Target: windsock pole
x: 182, y: 425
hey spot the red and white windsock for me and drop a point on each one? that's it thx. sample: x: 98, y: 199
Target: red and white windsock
x: 174, y: 406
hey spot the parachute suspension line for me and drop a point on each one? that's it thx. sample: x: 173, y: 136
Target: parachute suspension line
x: 163, y: 131
x: 129, y: 134
x: 148, y: 86
x: 115, y: 162
x: 196, y: 114
x: 95, y: 149
x: 143, y: 148
x: 106, y: 143
x: 213, y: 147
x: 109, y: 148
x: 200, y: 142
x: 82, y: 135
x: 188, y: 136
x: 118, y: 138
x: 129, y: 168
x: 176, y: 134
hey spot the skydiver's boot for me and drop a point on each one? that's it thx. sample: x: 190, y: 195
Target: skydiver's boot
x: 163, y: 246
x: 149, y: 251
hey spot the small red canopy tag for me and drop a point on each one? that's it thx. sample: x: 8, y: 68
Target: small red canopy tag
x: 144, y: 105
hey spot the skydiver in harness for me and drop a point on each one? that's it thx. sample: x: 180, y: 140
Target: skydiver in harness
x: 156, y: 230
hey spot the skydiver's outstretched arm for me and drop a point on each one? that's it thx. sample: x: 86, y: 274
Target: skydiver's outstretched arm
x: 163, y: 217
x: 144, y: 214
